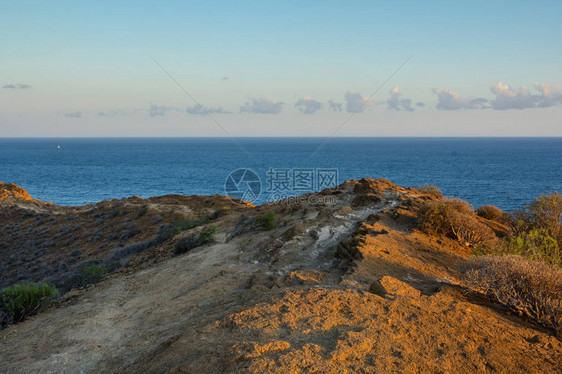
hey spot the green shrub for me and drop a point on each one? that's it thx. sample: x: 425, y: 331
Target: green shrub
x: 490, y: 212
x: 453, y: 218
x: 21, y: 301
x: 545, y: 212
x: 194, y: 240
x: 206, y: 236
x: 528, y: 287
x: 94, y: 273
x: 430, y: 190
x: 536, y: 244
x: 179, y: 226
x: 536, y: 230
x: 267, y: 221
x: 90, y: 272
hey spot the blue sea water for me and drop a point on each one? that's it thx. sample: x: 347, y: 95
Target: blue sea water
x: 506, y: 172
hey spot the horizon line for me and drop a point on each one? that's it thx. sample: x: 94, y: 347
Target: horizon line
x: 293, y: 137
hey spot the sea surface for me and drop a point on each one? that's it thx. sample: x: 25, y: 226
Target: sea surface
x: 506, y: 172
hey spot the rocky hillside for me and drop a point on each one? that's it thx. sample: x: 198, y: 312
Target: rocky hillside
x: 339, y: 281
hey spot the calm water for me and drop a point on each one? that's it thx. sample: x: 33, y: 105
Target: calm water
x: 504, y: 172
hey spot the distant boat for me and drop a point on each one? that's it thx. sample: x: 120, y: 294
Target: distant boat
x: 58, y: 146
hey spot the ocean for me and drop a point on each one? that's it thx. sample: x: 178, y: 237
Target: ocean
x: 506, y: 172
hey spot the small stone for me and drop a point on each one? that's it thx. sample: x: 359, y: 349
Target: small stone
x: 377, y: 288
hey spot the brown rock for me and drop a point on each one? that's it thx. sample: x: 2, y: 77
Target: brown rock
x: 377, y: 288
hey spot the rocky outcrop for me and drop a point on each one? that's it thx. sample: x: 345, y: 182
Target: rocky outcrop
x: 8, y: 191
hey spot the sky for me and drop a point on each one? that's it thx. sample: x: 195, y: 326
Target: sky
x: 249, y: 68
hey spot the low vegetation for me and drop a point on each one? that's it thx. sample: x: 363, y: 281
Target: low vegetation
x: 490, y: 212
x: 468, y: 230
x: 545, y: 212
x: 180, y: 226
x: 194, y: 240
x: 94, y: 273
x: 454, y: 218
x: 81, y: 275
x: 530, y: 287
x: 535, y: 232
x: 536, y: 244
x: 524, y: 271
x: 224, y: 211
x: 430, y: 190
x: 267, y: 221
x: 21, y: 301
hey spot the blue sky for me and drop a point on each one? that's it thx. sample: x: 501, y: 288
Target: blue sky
x: 84, y: 68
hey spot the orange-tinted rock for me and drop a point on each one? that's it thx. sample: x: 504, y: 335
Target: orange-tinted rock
x: 11, y: 190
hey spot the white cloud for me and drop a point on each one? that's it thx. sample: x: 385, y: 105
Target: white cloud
x: 307, y: 105
x: 512, y: 98
x: 394, y: 102
x: 17, y: 86
x: 508, y: 97
x: 335, y: 107
x: 161, y: 110
x: 198, y: 109
x: 262, y: 105
x: 449, y: 100
x: 551, y: 94
x: 355, y: 102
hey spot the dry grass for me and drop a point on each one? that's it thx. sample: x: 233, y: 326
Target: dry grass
x: 433, y: 215
x: 532, y: 288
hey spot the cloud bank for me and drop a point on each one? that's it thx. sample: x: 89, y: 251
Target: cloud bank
x: 17, y: 86
x: 307, y: 105
x: 449, y: 100
x: 505, y: 97
x: 508, y: 97
x: 262, y: 106
x: 199, y: 109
